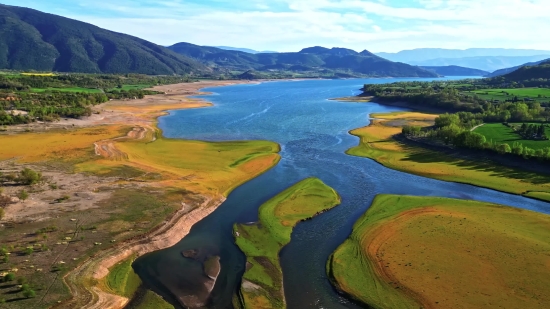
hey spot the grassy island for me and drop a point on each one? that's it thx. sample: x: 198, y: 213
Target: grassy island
x: 378, y: 142
x: 429, y: 252
x: 262, y: 285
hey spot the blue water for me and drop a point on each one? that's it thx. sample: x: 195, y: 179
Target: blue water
x: 313, y: 134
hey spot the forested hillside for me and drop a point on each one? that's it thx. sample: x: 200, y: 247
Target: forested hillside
x: 32, y: 40
x: 337, y: 61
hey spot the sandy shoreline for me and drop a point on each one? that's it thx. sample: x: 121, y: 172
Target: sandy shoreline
x: 140, y: 113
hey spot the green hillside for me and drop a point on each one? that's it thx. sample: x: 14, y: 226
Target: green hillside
x: 336, y: 61
x: 32, y: 40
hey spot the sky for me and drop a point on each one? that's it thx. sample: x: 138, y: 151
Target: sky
x: 290, y: 25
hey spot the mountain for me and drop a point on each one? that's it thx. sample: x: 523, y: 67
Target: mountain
x: 246, y: 50
x: 526, y: 73
x: 453, y: 70
x: 423, y: 54
x: 485, y: 63
x: 33, y: 40
x: 512, y: 69
x: 338, y: 61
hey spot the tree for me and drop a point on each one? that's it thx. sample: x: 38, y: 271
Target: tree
x: 517, y: 149
x: 504, y: 148
x: 1, y: 213
x: 447, y: 120
x: 470, y: 140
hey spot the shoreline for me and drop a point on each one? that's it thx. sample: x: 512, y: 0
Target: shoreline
x: 173, y: 228
x: 375, y: 121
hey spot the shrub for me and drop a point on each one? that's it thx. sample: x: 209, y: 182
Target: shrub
x: 9, y: 277
x: 30, y: 177
x: 1, y: 213
x: 23, y: 195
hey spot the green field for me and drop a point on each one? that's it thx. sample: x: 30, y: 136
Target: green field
x: 261, y: 242
x: 122, y: 280
x: 414, y: 252
x: 132, y: 87
x: 501, y: 134
x: 74, y: 89
x: 503, y: 94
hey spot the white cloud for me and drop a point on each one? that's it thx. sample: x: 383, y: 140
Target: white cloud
x: 358, y: 24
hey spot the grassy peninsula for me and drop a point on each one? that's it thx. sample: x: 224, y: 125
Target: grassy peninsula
x: 262, y: 285
x: 411, y: 252
x: 378, y: 141
x: 104, y: 189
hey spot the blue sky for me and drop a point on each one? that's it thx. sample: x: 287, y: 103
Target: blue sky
x: 289, y: 25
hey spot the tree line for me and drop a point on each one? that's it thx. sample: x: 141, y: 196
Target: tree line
x: 455, y: 130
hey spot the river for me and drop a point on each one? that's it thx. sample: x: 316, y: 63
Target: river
x: 313, y: 134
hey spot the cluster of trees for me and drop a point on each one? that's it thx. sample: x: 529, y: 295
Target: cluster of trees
x: 20, y: 105
x: 532, y: 131
x: 453, y: 97
x: 452, y: 129
x: 26, y: 176
x: 93, y: 81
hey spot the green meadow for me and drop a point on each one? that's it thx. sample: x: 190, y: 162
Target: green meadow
x: 432, y: 252
x: 501, y: 134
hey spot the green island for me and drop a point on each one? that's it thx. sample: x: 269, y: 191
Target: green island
x: 431, y: 252
x: 262, y: 285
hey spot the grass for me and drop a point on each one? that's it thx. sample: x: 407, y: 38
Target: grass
x: 152, y: 301
x: 73, y: 89
x: 64, y: 145
x: 261, y: 242
x: 411, y: 252
x: 122, y: 280
x: 132, y: 87
x: 377, y: 143
x: 521, y: 93
x: 228, y: 164
x: 501, y: 134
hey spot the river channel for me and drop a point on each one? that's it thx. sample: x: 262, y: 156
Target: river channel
x: 313, y: 134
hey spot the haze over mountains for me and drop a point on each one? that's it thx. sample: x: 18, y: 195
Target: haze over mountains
x: 246, y: 50
x: 486, y: 59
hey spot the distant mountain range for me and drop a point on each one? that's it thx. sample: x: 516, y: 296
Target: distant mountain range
x: 343, y: 62
x: 246, y: 50
x: 423, y: 54
x: 32, y: 40
x: 485, y: 63
x: 453, y: 70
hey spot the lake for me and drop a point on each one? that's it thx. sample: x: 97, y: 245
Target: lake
x: 313, y: 134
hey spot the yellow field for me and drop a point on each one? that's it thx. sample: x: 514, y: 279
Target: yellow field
x: 202, y: 167
x: 376, y: 142
x: 56, y: 145
x: 411, y: 252
x: 213, y: 168
x: 38, y: 74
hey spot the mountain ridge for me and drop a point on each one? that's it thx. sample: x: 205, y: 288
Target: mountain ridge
x: 34, y: 40
x: 345, y: 62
